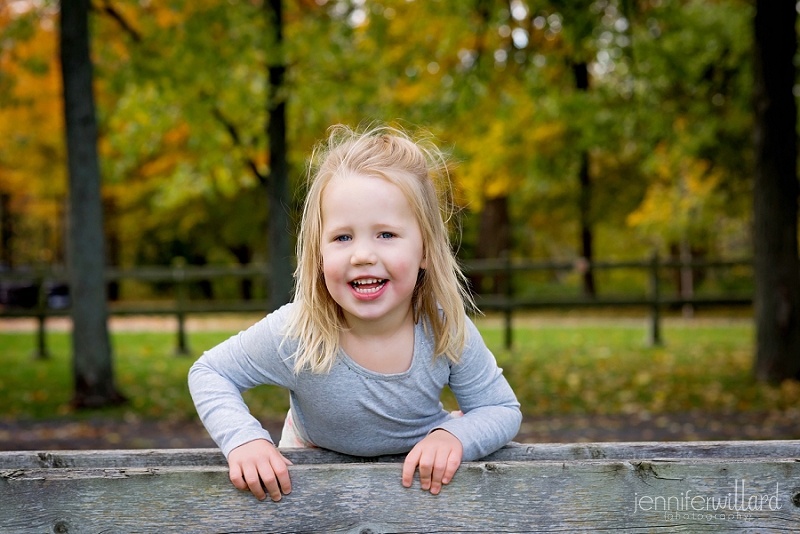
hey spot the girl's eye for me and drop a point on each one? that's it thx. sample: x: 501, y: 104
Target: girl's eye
x: 386, y: 235
x: 342, y: 238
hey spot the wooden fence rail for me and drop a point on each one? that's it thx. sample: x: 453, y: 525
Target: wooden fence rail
x: 694, y: 487
x: 506, y: 301
x: 655, y: 300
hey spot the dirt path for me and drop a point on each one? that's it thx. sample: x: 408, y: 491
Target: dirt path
x: 233, y: 322
x: 96, y: 433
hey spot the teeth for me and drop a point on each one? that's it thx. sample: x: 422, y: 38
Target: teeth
x: 365, y: 281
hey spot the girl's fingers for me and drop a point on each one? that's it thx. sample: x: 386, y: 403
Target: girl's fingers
x: 426, y: 461
x: 251, y: 476
x: 258, y: 465
x: 439, y: 468
x: 409, y: 466
x: 453, y: 463
x: 279, y: 468
x: 237, y: 478
x: 437, y: 461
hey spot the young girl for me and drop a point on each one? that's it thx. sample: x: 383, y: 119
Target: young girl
x: 376, y: 330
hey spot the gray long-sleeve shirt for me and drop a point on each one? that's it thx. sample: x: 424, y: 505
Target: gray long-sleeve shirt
x: 351, y: 409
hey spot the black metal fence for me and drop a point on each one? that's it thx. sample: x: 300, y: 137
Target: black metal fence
x: 42, y: 293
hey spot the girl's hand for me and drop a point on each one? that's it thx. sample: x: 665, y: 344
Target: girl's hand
x: 438, y: 457
x: 258, y: 462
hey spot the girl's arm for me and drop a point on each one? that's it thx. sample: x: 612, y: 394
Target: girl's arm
x: 491, y: 419
x: 218, y: 378
x: 491, y: 412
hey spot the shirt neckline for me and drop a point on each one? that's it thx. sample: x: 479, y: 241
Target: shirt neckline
x: 352, y: 365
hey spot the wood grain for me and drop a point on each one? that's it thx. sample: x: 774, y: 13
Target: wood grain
x: 523, y: 488
x: 511, y: 452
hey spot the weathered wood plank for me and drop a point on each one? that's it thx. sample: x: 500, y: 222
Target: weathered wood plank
x: 600, y: 487
x: 532, y: 496
x: 511, y: 452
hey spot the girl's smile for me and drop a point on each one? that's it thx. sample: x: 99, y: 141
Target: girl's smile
x: 371, y: 249
x: 368, y: 288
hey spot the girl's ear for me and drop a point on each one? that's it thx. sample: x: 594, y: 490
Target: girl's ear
x: 424, y: 263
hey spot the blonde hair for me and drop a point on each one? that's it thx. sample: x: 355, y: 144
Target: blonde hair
x: 417, y: 167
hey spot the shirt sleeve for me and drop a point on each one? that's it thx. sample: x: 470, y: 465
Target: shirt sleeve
x: 491, y: 412
x: 218, y: 378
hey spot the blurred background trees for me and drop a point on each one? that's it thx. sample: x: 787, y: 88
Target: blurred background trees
x: 628, y: 122
x: 595, y: 129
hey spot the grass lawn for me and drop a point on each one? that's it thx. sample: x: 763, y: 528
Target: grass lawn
x: 581, y: 368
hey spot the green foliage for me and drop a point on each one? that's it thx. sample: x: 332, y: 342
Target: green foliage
x: 556, y: 369
x: 698, y: 169
x: 606, y: 370
x: 182, y: 90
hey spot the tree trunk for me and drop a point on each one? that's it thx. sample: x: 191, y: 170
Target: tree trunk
x: 777, y: 269
x: 244, y: 255
x: 585, y: 201
x: 280, y: 253
x: 494, y: 238
x: 686, y: 286
x: 587, y: 238
x: 113, y: 245
x: 6, y: 229
x: 92, y: 366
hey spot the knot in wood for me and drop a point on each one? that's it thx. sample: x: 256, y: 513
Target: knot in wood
x: 61, y: 527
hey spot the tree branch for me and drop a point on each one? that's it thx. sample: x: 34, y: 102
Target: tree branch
x: 108, y: 9
x: 234, y: 133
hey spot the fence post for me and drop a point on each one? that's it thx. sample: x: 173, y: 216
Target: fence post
x: 182, y: 293
x: 41, y: 316
x: 507, y: 310
x: 655, y: 319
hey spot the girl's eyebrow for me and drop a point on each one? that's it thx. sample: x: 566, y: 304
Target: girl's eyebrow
x: 337, y: 230
x: 388, y: 227
x: 349, y: 228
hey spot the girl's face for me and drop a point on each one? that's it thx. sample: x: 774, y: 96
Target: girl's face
x: 371, y: 249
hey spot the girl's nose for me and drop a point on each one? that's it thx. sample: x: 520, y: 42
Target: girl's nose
x: 362, y: 255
